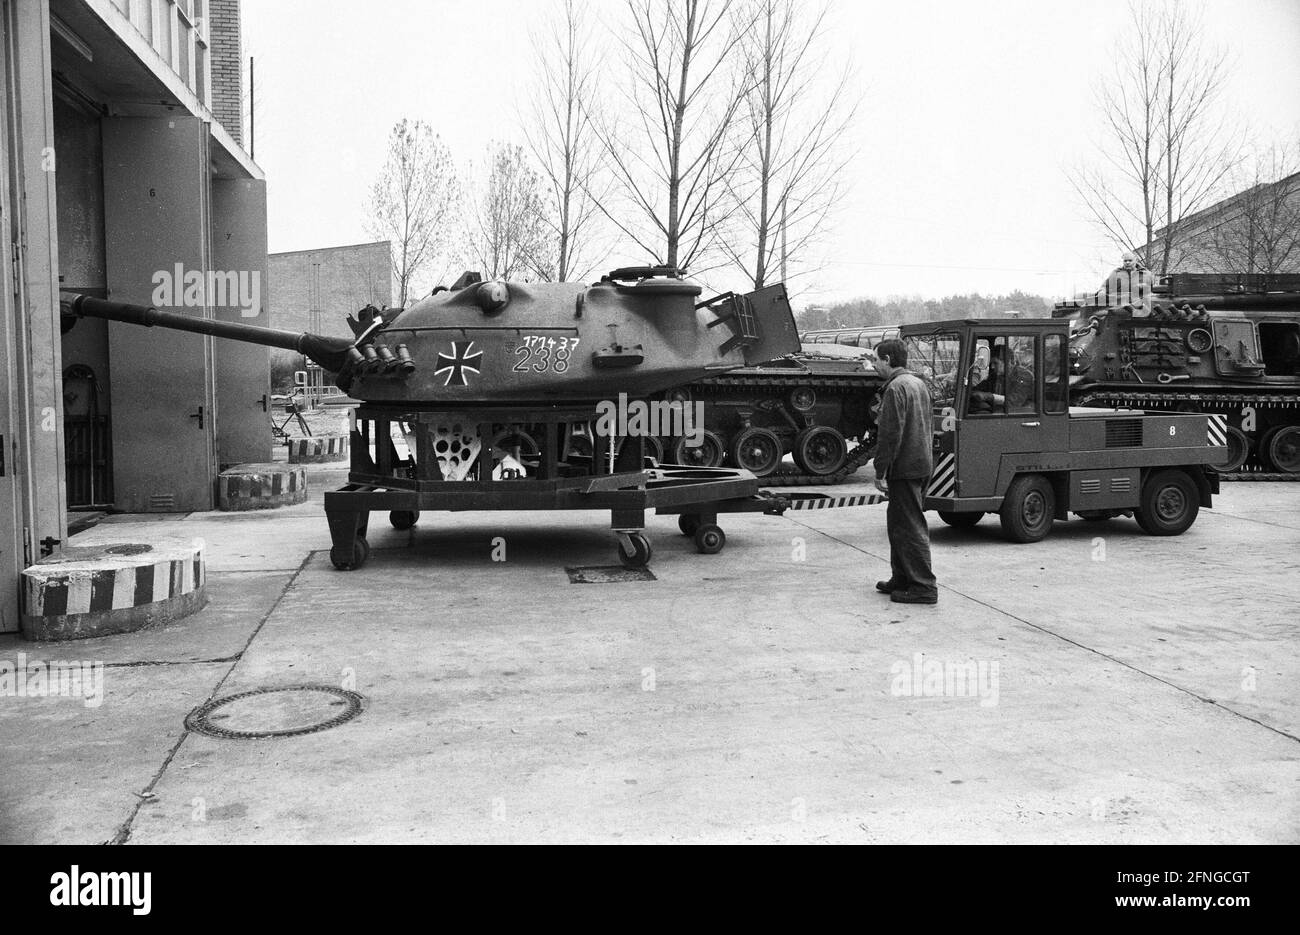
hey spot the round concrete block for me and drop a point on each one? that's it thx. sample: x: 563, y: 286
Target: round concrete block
x: 114, y: 588
x: 318, y: 449
x: 260, y: 487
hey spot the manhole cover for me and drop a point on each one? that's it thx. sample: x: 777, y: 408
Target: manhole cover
x: 128, y: 549
x: 608, y: 574
x: 275, y: 712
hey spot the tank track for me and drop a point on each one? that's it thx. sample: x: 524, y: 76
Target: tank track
x: 792, y: 478
x: 736, y: 384
x: 1136, y: 400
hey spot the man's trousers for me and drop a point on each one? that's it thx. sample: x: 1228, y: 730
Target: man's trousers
x: 909, y: 535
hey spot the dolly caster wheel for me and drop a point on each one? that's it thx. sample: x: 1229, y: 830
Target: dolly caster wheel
x: 641, y: 551
x: 345, y: 562
x: 404, y: 519
x: 688, y: 523
x: 709, y: 539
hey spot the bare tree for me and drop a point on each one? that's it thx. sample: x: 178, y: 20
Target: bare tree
x: 562, y: 138
x: 412, y: 202
x: 673, y: 151
x: 1165, y: 148
x: 1258, y: 230
x: 506, y: 222
x: 790, y: 175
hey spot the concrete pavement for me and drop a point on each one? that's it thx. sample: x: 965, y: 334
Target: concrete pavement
x: 1100, y: 686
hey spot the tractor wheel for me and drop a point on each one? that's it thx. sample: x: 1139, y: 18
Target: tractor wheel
x: 707, y: 454
x: 1028, y: 509
x: 820, y: 450
x: 756, y: 450
x: 688, y: 523
x: 1170, y: 503
x: 961, y: 520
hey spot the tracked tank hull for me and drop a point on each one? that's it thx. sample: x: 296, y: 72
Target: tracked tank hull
x: 1213, y: 343
x: 816, y: 408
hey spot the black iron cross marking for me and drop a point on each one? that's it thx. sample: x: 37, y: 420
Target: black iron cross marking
x: 460, y: 361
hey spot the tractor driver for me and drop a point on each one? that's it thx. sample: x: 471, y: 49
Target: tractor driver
x: 1007, y: 388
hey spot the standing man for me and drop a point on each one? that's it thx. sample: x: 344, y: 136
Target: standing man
x: 903, y: 467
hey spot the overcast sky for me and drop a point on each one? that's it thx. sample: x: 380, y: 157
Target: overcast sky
x: 972, y: 110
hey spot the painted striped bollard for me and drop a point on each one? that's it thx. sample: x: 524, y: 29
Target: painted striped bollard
x: 318, y: 449
x: 86, y: 591
x: 260, y: 487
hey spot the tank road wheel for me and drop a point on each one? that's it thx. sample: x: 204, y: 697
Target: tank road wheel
x: 1238, y: 451
x: 1170, y: 503
x: 654, y: 448
x: 345, y: 562
x: 961, y: 520
x: 1281, y: 448
x: 820, y: 450
x: 709, y: 539
x: 803, y: 398
x: 688, y: 523
x: 1028, y: 509
x: 641, y: 551
x: 707, y: 454
x: 403, y: 519
x: 756, y: 450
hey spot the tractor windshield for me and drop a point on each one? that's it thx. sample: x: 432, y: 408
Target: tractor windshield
x: 935, y: 358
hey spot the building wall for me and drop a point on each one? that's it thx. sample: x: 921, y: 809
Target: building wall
x: 227, y: 66
x: 1219, y: 239
x: 32, y: 498
x: 336, y: 281
x: 146, y: 85
x: 79, y: 183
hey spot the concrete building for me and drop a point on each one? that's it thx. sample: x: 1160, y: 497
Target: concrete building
x: 125, y: 176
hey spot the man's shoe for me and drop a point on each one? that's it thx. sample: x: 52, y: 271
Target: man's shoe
x: 888, y: 587
x: 911, y: 597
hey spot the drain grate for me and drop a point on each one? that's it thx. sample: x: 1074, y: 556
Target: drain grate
x: 608, y: 574
x: 275, y: 712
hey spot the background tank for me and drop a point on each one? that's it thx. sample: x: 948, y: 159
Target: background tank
x: 1196, y: 342
x: 812, y: 405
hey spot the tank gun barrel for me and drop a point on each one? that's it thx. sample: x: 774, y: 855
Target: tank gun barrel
x: 330, y: 353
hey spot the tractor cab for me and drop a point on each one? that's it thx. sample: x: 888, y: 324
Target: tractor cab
x: 1007, y: 441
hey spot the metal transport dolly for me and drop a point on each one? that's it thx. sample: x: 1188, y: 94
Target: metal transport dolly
x: 408, y: 462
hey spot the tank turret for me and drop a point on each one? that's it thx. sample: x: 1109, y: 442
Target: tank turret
x: 636, y: 331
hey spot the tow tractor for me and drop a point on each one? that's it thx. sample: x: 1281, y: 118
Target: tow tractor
x: 1007, y: 441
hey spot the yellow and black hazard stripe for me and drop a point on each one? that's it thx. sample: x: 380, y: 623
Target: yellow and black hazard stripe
x: 943, y: 482
x: 817, y: 502
x: 1216, y: 429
